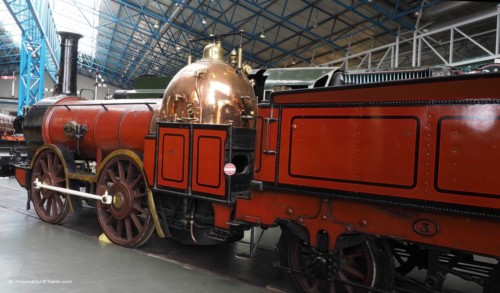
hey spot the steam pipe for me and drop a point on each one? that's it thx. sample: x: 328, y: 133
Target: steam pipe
x: 66, y: 79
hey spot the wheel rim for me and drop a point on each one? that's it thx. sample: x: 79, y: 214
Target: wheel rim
x: 51, y: 206
x: 356, y: 265
x: 127, y: 221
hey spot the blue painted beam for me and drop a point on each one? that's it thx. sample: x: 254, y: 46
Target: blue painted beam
x: 39, y: 48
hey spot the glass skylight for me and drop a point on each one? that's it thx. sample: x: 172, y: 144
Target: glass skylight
x: 78, y: 16
x: 12, y: 31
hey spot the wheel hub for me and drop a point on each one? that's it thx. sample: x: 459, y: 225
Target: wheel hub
x: 321, y: 265
x: 47, y: 180
x: 118, y: 200
x: 122, y: 200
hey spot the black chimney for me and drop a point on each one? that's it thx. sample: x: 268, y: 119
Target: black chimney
x: 66, y: 81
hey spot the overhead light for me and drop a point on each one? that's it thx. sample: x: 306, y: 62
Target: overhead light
x: 293, y: 61
x: 156, y: 67
x: 157, y: 25
x: 177, y: 47
x: 315, y: 25
x: 262, y: 35
x: 204, y: 20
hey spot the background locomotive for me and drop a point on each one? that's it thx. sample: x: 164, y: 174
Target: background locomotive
x: 12, y: 147
x: 366, y: 182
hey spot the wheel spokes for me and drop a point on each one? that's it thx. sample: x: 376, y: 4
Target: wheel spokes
x: 127, y: 221
x: 109, y: 220
x: 128, y: 229
x: 138, y: 208
x: 129, y: 175
x: 138, y: 195
x: 42, y: 202
x: 44, y: 167
x: 355, y: 266
x: 111, y: 175
x: 134, y: 183
x: 47, y: 207
x: 48, y: 168
x: 49, y: 163
x: 136, y: 222
x: 121, y: 172
x: 353, y: 272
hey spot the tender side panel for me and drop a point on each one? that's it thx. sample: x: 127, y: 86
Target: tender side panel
x: 468, y: 155
x: 347, y: 148
x: 173, y: 157
x: 208, y: 161
x: 373, y: 150
x: 429, y: 153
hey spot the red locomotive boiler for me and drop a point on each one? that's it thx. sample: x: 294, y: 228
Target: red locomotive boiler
x: 366, y: 181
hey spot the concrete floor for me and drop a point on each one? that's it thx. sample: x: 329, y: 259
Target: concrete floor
x: 36, y: 257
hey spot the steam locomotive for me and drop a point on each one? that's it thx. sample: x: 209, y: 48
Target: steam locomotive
x: 366, y: 182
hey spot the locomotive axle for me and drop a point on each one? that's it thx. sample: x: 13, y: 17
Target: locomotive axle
x: 105, y: 198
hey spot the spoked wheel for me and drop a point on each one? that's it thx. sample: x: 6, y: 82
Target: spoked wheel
x: 127, y: 221
x: 367, y: 264
x: 51, y: 206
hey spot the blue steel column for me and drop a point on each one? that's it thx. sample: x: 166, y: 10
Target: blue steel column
x: 39, y: 48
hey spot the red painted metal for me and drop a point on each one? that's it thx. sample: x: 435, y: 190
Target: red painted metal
x: 265, y: 145
x: 110, y: 124
x: 149, y: 159
x: 428, y: 144
x: 222, y: 215
x: 208, y: 161
x: 173, y: 157
x: 20, y: 174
